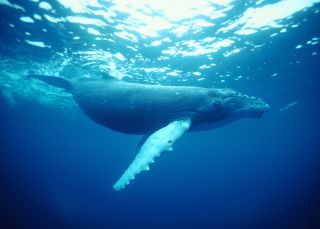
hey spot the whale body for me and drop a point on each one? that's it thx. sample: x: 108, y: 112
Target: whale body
x: 163, y: 113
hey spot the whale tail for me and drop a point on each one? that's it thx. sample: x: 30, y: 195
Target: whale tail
x: 53, y: 80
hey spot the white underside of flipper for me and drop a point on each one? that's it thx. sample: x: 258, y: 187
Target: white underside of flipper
x: 160, y: 141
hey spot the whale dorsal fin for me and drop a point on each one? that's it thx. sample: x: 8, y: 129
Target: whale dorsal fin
x: 158, y: 142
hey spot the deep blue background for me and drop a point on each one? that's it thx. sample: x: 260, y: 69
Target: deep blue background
x: 57, y: 172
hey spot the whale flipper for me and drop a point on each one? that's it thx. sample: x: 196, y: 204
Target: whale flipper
x: 158, y: 142
x: 53, y: 80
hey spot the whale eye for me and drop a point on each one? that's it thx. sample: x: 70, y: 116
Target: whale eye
x: 170, y: 141
x: 215, y: 104
x: 236, y: 104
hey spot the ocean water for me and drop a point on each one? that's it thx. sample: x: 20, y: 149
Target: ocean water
x: 57, y: 167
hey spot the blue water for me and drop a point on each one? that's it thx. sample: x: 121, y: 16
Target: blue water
x: 57, y: 167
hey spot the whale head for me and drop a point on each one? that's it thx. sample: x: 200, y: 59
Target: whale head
x: 238, y: 105
x: 223, y: 106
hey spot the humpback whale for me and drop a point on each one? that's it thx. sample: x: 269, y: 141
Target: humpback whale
x: 161, y: 113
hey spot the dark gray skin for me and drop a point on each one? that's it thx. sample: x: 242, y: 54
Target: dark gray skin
x: 134, y: 108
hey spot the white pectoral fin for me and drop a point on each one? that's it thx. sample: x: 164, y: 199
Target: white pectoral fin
x: 158, y: 142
